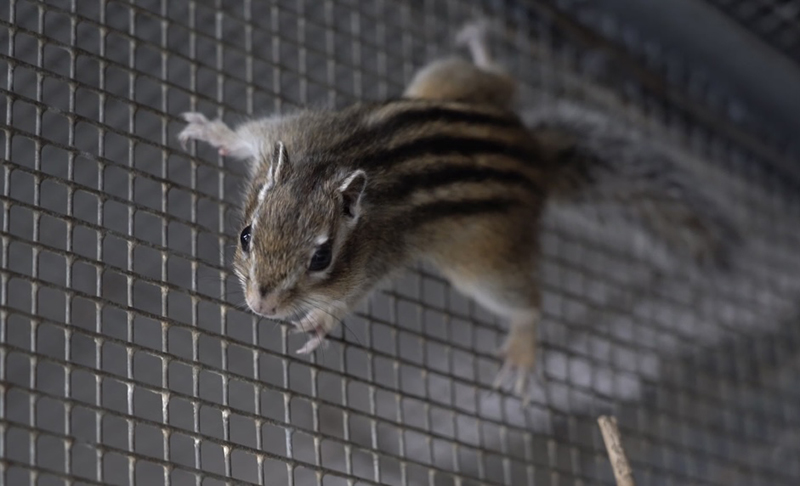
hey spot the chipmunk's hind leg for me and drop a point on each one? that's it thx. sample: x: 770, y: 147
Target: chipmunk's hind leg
x: 481, y: 81
x: 495, y: 263
x: 519, y: 355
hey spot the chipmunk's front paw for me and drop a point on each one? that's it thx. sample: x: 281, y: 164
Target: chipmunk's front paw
x: 519, y: 360
x: 215, y: 132
x: 319, y: 323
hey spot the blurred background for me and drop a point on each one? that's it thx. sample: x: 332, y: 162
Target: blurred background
x: 127, y: 355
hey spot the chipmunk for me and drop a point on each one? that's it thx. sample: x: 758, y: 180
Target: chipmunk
x: 449, y: 174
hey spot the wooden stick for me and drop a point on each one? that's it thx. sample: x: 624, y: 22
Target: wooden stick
x: 616, y: 454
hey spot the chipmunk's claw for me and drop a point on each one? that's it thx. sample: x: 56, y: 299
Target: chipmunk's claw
x: 519, y: 360
x: 317, y: 322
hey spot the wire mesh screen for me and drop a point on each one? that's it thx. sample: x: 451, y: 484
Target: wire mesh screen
x: 777, y: 21
x: 128, y: 357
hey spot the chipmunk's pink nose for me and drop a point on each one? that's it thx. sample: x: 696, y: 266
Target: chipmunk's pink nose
x: 269, y: 304
x: 262, y: 302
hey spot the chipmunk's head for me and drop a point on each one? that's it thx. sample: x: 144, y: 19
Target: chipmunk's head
x: 293, y: 229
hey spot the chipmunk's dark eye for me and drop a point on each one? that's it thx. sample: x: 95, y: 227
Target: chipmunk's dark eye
x: 322, y: 257
x: 244, y: 238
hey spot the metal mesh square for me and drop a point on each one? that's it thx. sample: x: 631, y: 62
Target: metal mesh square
x: 776, y: 21
x: 128, y: 357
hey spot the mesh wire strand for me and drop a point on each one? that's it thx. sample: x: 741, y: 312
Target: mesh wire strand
x: 776, y: 21
x: 127, y: 356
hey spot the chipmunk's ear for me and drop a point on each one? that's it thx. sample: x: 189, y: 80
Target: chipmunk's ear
x: 279, y: 168
x: 351, y: 190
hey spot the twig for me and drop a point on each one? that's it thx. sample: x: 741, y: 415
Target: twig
x: 616, y: 454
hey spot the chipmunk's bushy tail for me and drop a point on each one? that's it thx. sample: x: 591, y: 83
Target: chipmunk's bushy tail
x: 612, y: 168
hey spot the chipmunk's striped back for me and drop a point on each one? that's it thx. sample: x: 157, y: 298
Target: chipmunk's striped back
x: 424, y: 160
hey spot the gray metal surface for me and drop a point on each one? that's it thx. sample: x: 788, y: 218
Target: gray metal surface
x: 126, y: 353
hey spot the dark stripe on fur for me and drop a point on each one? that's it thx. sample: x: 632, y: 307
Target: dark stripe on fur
x: 456, y: 209
x: 420, y: 114
x: 443, y: 145
x: 447, y: 175
x: 416, y: 116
